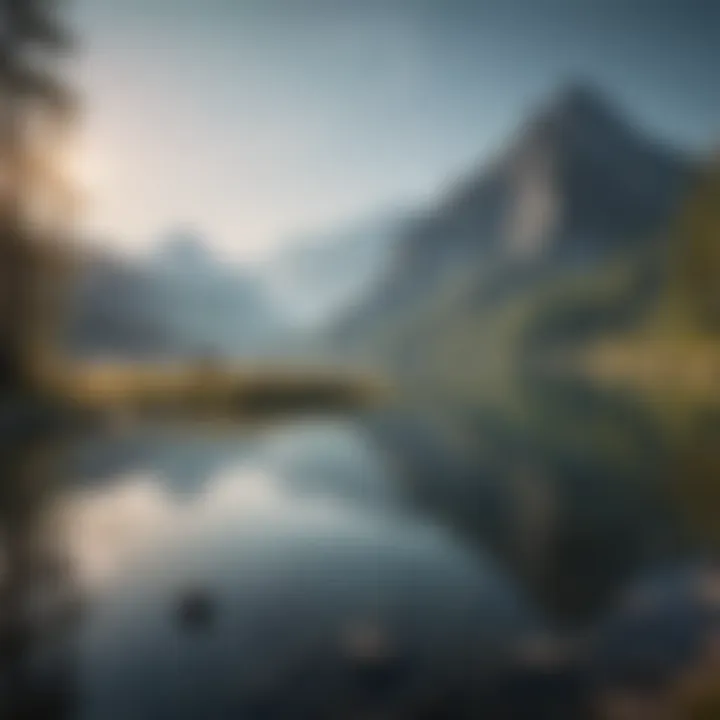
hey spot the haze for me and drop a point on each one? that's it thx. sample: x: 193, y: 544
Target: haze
x: 258, y: 122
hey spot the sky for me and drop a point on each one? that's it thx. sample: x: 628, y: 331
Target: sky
x: 260, y: 122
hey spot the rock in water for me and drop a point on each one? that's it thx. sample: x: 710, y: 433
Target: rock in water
x: 196, y: 609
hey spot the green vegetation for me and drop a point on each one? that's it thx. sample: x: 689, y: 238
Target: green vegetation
x: 691, y: 302
x: 647, y: 321
x: 672, y: 353
x: 202, y: 389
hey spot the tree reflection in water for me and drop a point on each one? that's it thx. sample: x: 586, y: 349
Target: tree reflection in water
x: 39, y: 601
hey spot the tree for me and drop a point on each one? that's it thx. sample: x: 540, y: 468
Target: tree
x: 36, y: 205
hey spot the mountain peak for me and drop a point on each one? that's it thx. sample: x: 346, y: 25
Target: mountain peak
x: 581, y: 121
x: 581, y: 97
x: 583, y: 105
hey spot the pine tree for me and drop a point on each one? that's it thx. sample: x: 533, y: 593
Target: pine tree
x: 36, y: 110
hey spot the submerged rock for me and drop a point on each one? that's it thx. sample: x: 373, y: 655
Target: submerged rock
x: 196, y: 609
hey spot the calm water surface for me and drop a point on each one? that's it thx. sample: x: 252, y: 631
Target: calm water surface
x: 312, y: 567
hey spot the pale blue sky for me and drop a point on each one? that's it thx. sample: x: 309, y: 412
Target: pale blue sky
x: 257, y: 121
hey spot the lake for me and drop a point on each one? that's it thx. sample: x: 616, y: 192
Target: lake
x: 430, y: 560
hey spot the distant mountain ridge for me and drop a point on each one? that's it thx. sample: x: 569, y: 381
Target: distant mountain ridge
x: 112, y: 311
x: 321, y: 276
x: 180, y: 302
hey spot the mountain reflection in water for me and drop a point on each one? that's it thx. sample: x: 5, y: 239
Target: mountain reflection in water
x: 400, y: 562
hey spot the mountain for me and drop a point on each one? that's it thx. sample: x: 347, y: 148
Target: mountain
x: 182, y: 301
x: 221, y: 306
x: 577, y: 181
x: 112, y: 311
x: 319, y: 277
x: 576, y: 186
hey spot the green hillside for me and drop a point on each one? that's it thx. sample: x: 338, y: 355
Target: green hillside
x: 673, y: 353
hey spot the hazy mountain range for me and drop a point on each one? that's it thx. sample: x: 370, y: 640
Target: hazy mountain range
x: 184, y: 301
x: 319, y: 277
x: 576, y: 186
x: 181, y: 301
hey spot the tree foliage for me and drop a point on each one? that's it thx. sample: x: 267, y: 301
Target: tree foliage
x: 36, y: 205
